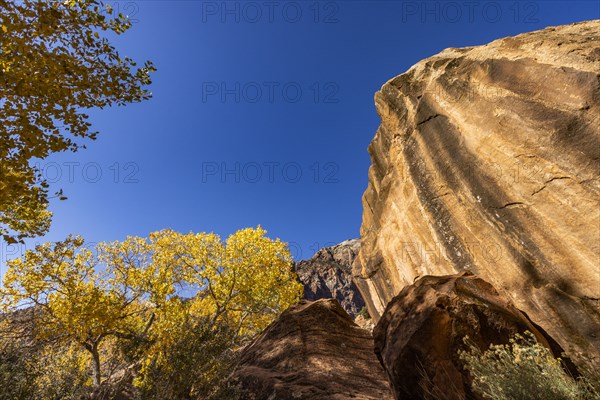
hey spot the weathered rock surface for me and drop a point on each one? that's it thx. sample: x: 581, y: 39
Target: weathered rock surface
x: 328, y: 274
x: 488, y: 158
x: 313, y: 351
x: 422, y: 329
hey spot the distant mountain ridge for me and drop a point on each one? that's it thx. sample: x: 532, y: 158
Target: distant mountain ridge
x: 328, y: 274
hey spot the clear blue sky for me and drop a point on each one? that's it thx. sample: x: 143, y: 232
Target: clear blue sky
x: 262, y: 113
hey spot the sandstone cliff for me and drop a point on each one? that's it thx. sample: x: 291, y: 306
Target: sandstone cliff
x: 328, y: 274
x: 488, y: 158
x: 312, y: 351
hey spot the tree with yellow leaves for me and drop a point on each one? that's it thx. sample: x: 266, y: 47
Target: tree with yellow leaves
x: 146, y: 289
x: 55, y: 62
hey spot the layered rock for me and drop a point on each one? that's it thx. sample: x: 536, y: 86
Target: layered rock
x: 488, y: 158
x: 419, y: 336
x: 312, y: 351
x: 328, y: 274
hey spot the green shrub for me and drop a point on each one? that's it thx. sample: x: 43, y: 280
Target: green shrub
x: 522, y: 369
x: 16, y: 374
x: 364, y: 312
x: 196, y: 366
x: 30, y: 370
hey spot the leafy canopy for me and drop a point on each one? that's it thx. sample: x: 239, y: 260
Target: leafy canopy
x: 146, y: 290
x: 55, y: 62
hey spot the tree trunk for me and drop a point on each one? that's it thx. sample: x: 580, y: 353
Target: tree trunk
x: 96, y: 365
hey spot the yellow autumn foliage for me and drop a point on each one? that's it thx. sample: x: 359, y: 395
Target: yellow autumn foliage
x: 146, y: 290
x: 56, y: 61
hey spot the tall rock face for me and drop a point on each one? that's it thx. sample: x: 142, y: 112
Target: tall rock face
x: 488, y: 159
x: 313, y: 351
x: 328, y: 274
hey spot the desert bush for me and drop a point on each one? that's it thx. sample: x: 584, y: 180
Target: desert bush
x: 523, y: 369
x: 15, y: 370
x: 195, y: 366
x: 364, y: 312
x: 30, y: 370
x: 62, y: 373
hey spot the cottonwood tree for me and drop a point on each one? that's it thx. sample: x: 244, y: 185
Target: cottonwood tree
x: 55, y: 62
x: 147, y: 290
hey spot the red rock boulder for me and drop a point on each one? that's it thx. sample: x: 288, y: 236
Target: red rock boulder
x: 418, y: 337
x: 313, y: 351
